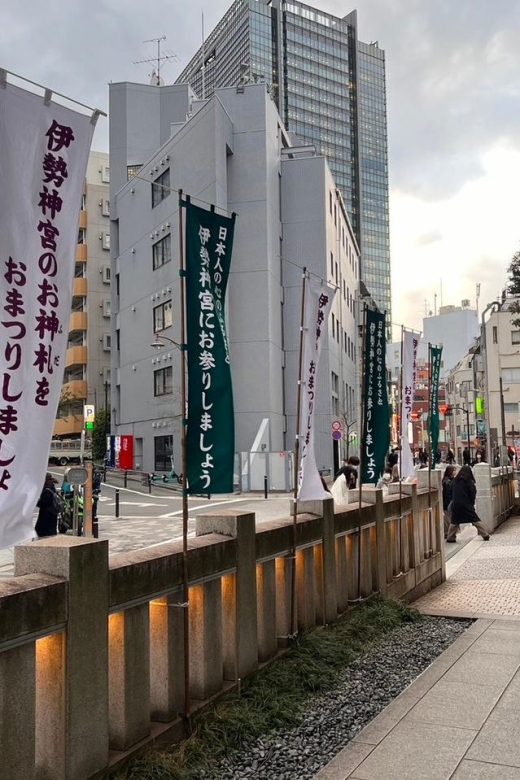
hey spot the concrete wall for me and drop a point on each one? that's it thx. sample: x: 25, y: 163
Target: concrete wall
x: 92, y: 650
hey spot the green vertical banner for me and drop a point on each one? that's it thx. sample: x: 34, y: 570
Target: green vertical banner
x: 433, y: 412
x: 211, y: 421
x: 376, y: 413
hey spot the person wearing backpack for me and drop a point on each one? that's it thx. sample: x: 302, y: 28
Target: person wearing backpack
x: 48, y: 505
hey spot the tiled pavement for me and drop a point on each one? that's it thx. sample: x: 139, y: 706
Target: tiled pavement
x: 460, y: 719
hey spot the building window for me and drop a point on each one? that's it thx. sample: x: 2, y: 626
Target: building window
x: 161, y: 188
x: 162, y: 252
x: 106, y: 240
x: 510, y: 376
x: 335, y: 382
x: 515, y: 337
x: 163, y: 381
x: 163, y: 451
x: 105, y: 174
x: 162, y: 316
x: 131, y: 171
x: 106, y: 308
x: 105, y: 207
x: 495, y: 334
x: 106, y: 274
x: 511, y: 407
x: 107, y: 342
x: 107, y: 377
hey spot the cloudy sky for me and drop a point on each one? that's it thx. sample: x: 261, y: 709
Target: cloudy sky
x: 453, y: 81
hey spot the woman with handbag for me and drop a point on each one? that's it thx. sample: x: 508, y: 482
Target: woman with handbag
x: 463, y: 505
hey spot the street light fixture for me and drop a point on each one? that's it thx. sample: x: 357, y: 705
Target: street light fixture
x: 158, y: 342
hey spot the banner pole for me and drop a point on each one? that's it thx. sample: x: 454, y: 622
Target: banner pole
x: 430, y: 551
x: 184, y: 466
x: 361, y: 453
x: 297, y: 461
x: 401, y: 429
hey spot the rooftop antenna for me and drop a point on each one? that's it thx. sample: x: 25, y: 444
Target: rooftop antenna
x: 158, y: 60
x: 203, y: 61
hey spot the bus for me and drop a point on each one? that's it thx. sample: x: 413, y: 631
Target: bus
x: 67, y: 451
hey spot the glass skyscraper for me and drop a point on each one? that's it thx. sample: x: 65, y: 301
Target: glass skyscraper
x: 330, y: 91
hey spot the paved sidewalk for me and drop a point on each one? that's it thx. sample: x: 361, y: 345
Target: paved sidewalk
x: 460, y: 719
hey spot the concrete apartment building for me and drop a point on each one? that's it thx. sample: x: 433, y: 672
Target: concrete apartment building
x: 87, y: 361
x: 455, y: 328
x: 233, y: 151
x: 490, y: 372
x: 330, y: 90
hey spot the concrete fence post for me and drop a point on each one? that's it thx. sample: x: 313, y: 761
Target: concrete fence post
x: 77, y: 698
x: 484, y: 504
x: 266, y: 608
x: 330, y: 597
x: 166, y: 657
x: 129, y: 682
x: 240, y: 636
x: 17, y: 713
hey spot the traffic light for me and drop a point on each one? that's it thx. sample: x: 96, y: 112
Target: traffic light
x: 446, y: 410
x: 415, y: 416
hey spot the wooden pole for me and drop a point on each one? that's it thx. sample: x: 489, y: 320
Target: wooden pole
x: 400, y: 442
x: 184, y: 466
x: 294, y: 617
x: 430, y: 454
x: 361, y: 453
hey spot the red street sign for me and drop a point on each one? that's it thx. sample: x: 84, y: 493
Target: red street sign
x: 336, y: 435
x: 337, y: 425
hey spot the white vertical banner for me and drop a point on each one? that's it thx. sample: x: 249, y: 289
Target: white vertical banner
x: 318, y: 300
x: 44, y: 149
x: 409, y: 374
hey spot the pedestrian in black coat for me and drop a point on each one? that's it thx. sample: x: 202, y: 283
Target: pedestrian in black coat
x: 447, y: 495
x: 47, y: 522
x: 463, y: 505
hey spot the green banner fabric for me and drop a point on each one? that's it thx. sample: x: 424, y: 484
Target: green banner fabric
x: 433, y: 415
x: 211, y: 422
x: 376, y: 419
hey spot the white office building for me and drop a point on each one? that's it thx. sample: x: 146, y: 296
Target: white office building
x: 232, y: 151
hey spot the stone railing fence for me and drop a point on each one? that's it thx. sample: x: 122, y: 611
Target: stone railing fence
x: 92, y: 648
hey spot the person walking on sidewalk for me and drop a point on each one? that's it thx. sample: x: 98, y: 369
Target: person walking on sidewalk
x: 47, y: 522
x: 463, y: 505
x: 447, y: 495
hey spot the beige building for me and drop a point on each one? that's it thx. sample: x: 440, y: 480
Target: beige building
x: 489, y: 375
x: 500, y: 347
x: 87, y: 363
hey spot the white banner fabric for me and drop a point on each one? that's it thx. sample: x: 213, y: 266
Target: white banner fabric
x: 318, y: 301
x: 43, y: 158
x: 408, y: 379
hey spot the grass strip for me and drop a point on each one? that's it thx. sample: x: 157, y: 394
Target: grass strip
x: 273, y: 697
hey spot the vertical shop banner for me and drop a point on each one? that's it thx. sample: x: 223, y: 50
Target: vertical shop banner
x: 211, y: 421
x: 433, y: 414
x: 376, y: 420
x: 317, y: 304
x: 409, y: 369
x: 44, y: 150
